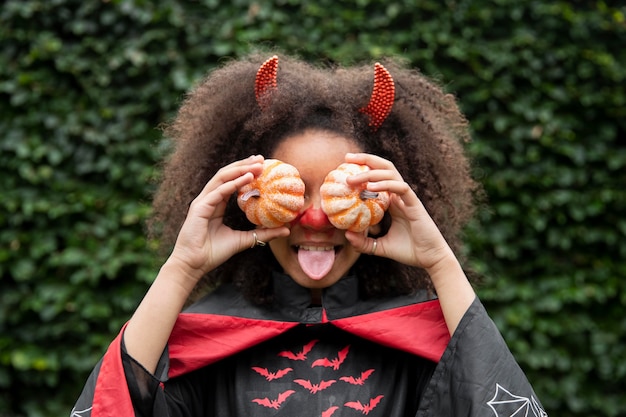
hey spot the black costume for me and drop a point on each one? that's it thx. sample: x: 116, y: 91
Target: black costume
x: 348, y: 357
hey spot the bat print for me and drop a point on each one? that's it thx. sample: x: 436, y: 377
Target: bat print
x: 270, y: 376
x: 329, y: 412
x: 300, y: 356
x: 314, y: 388
x: 275, y: 404
x: 359, y: 380
x: 365, y: 409
x: 333, y: 363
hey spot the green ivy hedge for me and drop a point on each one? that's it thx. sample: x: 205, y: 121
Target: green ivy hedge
x: 85, y: 85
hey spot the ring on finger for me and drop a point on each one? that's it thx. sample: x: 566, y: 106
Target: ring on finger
x: 374, y: 247
x: 256, y: 242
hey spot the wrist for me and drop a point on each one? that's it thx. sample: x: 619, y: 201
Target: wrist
x: 453, y: 289
x: 179, y: 272
x: 447, y: 265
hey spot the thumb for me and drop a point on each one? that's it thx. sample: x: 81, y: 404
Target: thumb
x: 260, y: 237
x: 363, y: 243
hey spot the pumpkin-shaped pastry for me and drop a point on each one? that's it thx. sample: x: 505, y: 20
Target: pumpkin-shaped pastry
x: 351, y: 207
x: 275, y: 197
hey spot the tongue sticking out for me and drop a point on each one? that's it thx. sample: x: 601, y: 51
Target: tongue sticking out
x: 316, y: 263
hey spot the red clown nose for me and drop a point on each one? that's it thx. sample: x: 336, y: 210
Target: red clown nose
x: 315, y: 219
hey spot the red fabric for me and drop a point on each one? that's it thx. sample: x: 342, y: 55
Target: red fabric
x: 201, y: 339
x: 417, y: 328
x: 111, y: 397
x: 196, y: 341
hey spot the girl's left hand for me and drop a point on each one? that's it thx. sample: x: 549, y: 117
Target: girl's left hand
x: 413, y: 238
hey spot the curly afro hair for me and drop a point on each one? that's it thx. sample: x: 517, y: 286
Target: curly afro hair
x: 220, y: 121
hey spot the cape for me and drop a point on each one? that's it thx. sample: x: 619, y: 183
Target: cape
x: 475, y: 374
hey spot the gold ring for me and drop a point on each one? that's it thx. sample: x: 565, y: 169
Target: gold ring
x: 374, y: 247
x: 256, y: 242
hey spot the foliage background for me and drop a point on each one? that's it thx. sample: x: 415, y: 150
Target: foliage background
x: 84, y: 86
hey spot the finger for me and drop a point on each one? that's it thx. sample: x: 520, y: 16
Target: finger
x: 374, y: 180
x: 407, y: 206
x: 212, y: 202
x: 261, y: 237
x: 380, y: 169
x: 364, y: 244
x: 373, y: 161
x: 382, y: 176
x: 236, y: 170
x: 399, y: 187
x: 253, y: 164
x: 374, y: 243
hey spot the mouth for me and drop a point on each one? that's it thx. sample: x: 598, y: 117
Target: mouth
x: 336, y: 248
x: 316, y: 261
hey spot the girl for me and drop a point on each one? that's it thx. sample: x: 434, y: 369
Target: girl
x: 306, y: 318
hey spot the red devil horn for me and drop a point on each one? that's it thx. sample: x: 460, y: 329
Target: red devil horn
x: 265, y: 80
x: 382, y: 98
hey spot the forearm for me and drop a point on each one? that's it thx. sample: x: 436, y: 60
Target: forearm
x: 453, y: 289
x: 150, y: 327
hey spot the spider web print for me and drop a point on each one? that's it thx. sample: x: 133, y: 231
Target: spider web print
x: 506, y: 404
x: 80, y: 413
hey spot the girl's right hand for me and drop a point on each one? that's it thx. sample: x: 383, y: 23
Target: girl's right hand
x: 204, y: 242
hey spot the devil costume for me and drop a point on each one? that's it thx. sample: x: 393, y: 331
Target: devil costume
x: 348, y: 357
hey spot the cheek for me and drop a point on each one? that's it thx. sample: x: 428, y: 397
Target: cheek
x: 279, y: 246
x: 296, y: 220
x: 283, y: 253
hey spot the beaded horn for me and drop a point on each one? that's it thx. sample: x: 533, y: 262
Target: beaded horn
x: 383, y: 94
x: 265, y: 80
x: 377, y: 109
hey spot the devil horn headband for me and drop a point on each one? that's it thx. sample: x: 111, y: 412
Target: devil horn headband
x: 377, y: 109
x: 265, y: 80
x: 383, y: 94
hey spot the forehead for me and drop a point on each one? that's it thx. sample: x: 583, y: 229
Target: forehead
x: 315, y: 152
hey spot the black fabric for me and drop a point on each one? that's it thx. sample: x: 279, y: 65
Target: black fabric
x: 374, y: 377
x: 477, y: 375
x: 337, y: 374
x: 82, y: 408
x: 293, y: 302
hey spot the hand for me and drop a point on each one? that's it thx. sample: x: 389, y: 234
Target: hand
x: 204, y: 242
x: 413, y: 238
